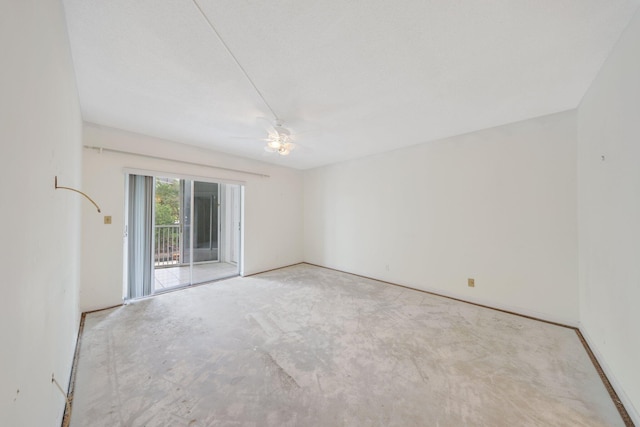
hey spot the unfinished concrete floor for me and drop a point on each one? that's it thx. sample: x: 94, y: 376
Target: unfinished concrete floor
x: 306, y: 346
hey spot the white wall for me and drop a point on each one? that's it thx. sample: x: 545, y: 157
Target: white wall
x: 40, y: 133
x: 497, y: 205
x: 609, y: 216
x: 273, y: 207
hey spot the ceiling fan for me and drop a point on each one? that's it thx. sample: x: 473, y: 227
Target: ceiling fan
x: 279, y: 141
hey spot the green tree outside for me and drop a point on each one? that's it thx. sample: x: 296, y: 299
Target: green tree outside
x: 167, y: 202
x: 167, y: 212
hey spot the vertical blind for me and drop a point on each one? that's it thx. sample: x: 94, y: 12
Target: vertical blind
x: 140, y: 252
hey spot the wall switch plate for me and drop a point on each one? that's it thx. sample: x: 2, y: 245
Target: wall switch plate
x: 471, y: 283
x: 107, y: 219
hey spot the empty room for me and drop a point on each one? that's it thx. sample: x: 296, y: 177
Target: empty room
x: 331, y: 213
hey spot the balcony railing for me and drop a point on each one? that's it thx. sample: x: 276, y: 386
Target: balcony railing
x: 167, y: 245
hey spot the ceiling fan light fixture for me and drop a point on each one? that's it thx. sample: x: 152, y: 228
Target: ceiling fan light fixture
x: 274, y: 144
x: 280, y: 141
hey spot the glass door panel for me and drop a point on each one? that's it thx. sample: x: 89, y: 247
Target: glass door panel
x: 196, y: 232
x: 205, y: 222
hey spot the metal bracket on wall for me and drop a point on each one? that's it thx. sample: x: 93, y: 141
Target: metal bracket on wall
x: 57, y: 187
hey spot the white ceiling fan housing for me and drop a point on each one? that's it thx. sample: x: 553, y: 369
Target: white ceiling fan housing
x: 279, y: 141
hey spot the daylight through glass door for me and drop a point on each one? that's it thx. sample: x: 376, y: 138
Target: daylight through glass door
x: 196, y: 232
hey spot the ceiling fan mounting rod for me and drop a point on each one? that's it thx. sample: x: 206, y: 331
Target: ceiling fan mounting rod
x: 206, y: 18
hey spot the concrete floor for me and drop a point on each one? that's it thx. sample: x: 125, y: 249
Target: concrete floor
x: 306, y: 346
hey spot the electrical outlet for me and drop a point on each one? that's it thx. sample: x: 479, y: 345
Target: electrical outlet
x: 107, y: 219
x: 471, y: 283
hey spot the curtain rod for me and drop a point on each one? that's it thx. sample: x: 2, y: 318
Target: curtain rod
x: 113, y: 150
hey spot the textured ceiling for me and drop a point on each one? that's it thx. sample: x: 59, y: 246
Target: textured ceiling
x: 349, y: 78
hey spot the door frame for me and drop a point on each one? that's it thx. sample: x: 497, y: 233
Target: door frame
x: 155, y: 174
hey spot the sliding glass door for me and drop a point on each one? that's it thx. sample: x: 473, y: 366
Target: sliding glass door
x: 205, y: 220
x: 192, y: 237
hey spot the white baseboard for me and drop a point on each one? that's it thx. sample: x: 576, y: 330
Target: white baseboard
x: 628, y: 404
